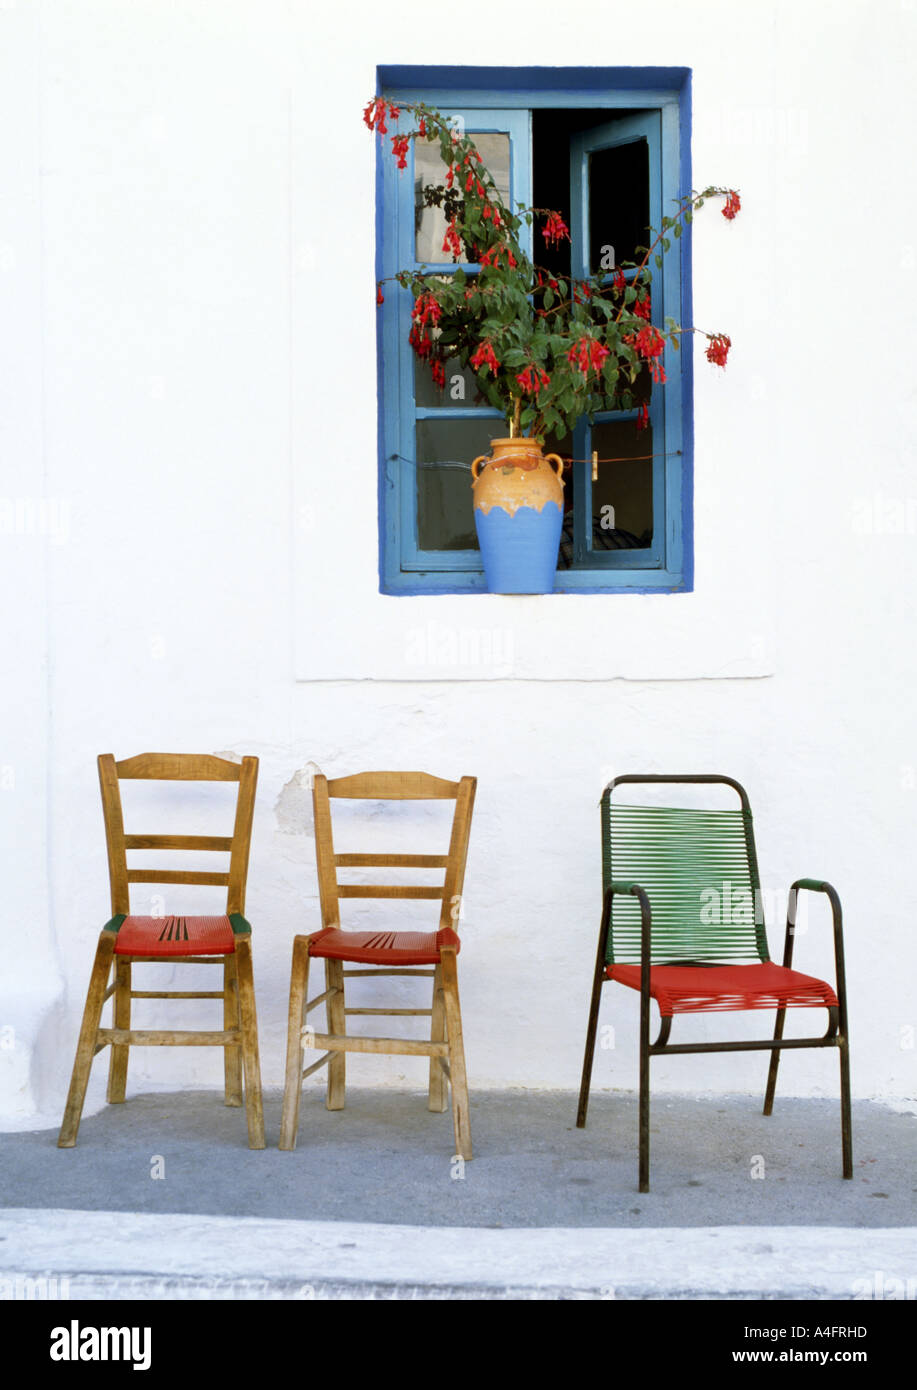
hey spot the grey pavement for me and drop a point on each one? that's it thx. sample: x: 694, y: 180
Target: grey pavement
x: 372, y: 1203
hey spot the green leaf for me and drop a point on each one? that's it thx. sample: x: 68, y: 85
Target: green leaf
x: 658, y: 260
x: 549, y: 299
x: 677, y: 229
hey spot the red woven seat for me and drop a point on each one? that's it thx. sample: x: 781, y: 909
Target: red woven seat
x: 175, y: 936
x: 384, y: 947
x: 682, y: 989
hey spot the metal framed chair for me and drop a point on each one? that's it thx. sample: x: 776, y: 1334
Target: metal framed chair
x: 427, y: 954
x: 668, y: 873
x: 127, y: 940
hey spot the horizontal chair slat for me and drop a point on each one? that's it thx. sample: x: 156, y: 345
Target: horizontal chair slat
x: 176, y: 876
x: 385, y: 890
x: 401, y: 1013
x: 391, y: 970
x: 223, y: 843
x: 393, y: 786
x: 158, y: 1038
x: 406, y: 1047
x: 394, y: 861
x: 175, y: 960
x: 178, y: 994
x: 180, y: 767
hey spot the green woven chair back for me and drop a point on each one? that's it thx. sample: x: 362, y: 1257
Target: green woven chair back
x: 697, y: 867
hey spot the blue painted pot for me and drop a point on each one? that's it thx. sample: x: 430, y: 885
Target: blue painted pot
x: 518, y: 514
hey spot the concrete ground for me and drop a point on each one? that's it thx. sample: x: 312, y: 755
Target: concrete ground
x: 162, y: 1196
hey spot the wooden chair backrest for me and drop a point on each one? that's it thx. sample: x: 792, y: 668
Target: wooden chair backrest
x: 177, y: 767
x: 392, y: 786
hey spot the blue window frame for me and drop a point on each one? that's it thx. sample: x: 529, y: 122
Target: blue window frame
x: 597, y: 130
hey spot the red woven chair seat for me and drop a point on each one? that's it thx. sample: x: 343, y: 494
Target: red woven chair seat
x: 682, y: 989
x: 383, y: 947
x: 175, y: 936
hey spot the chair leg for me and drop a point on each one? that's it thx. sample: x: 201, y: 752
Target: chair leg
x: 337, y: 1025
x: 438, y: 1100
x: 117, y: 1066
x: 292, y: 1089
x: 597, y: 983
x: 85, y: 1048
x: 644, y: 1177
x: 460, y: 1117
x: 232, y: 1018
x: 846, y: 1125
x: 254, y: 1112
x: 775, y: 1062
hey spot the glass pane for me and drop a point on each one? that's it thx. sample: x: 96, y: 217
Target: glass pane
x: 461, y: 386
x: 430, y: 223
x: 622, y: 498
x: 619, y: 203
x: 445, y: 450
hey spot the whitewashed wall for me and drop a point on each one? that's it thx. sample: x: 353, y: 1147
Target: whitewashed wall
x: 188, y: 530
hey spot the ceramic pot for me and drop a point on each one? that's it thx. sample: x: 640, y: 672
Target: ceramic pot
x: 518, y: 514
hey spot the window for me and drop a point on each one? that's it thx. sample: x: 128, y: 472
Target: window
x: 609, y: 149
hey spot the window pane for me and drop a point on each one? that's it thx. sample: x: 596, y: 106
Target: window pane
x: 622, y: 498
x: 445, y: 450
x: 461, y: 386
x: 430, y: 223
x: 619, y: 203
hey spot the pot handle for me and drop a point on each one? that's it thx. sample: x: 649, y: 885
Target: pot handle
x: 475, y: 471
x: 560, y: 466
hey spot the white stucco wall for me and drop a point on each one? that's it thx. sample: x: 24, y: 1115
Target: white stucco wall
x: 186, y: 260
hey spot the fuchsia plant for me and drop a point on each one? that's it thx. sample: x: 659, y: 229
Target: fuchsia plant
x: 546, y: 349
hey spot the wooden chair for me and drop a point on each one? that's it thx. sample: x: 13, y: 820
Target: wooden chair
x: 682, y: 923
x: 431, y: 954
x: 127, y: 940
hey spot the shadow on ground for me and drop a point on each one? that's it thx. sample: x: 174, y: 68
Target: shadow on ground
x: 386, y: 1159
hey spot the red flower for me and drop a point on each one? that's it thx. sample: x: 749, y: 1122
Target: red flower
x: 581, y: 293
x: 733, y: 205
x: 643, y: 307
x: 427, y: 309
x: 374, y: 115
x: 422, y: 128
x: 643, y: 418
x: 587, y: 354
x: 451, y: 241
x: 649, y: 342
x: 619, y: 281
x: 437, y: 367
x: 485, y: 357
x: 380, y: 297
x: 555, y: 229
x: 718, y: 349
x: 492, y: 256
x: 400, y: 146
x: 533, y: 380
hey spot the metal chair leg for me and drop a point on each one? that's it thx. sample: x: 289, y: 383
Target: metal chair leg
x: 597, y: 983
x: 775, y: 1062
